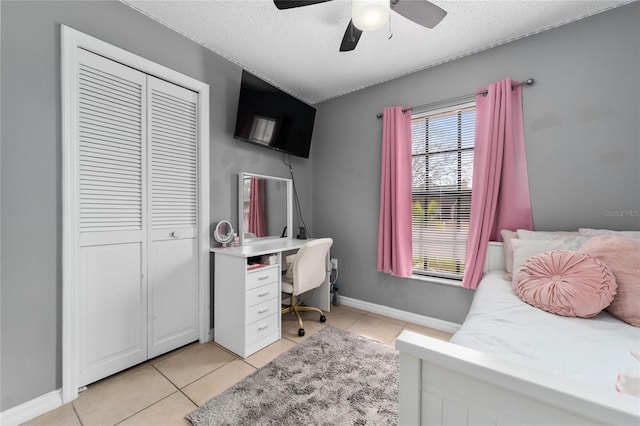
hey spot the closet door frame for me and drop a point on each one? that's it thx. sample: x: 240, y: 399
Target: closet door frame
x: 71, y: 41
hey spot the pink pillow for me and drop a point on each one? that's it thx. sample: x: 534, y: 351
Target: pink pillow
x: 594, y: 232
x: 566, y: 283
x: 622, y: 256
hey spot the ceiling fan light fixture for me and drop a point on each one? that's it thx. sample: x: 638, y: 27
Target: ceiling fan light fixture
x: 370, y: 15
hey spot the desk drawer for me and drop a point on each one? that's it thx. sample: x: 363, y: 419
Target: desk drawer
x: 262, y: 276
x: 262, y: 342
x: 262, y: 310
x: 261, y: 328
x: 262, y: 294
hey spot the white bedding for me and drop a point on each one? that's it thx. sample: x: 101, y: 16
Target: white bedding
x: 593, y: 351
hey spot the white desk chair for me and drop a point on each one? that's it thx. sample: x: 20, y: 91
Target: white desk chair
x: 308, y: 271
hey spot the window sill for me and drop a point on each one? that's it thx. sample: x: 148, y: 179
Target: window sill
x: 437, y: 280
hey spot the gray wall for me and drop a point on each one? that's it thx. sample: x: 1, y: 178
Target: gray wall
x: 582, y: 140
x: 31, y: 166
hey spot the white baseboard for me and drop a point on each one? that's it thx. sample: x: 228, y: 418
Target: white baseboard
x: 31, y: 409
x: 438, y: 324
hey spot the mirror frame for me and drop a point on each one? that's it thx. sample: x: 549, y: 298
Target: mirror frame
x: 241, y: 231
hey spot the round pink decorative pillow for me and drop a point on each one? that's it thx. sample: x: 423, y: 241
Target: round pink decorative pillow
x: 566, y: 283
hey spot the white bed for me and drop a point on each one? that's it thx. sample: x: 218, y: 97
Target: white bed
x: 518, y: 365
x: 593, y: 351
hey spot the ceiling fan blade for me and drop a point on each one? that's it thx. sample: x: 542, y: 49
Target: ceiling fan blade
x: 421, y: 12
x: 350, y: 38
x: 290, y: 4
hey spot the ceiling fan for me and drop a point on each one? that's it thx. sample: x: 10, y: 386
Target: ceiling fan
x: 373, y: 14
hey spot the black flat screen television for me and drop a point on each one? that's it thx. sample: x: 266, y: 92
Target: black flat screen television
x: 269, y: 117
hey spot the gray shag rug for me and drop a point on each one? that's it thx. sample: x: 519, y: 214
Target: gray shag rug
x: 332, y: 378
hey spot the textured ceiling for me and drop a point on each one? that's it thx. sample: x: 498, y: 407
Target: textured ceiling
x: 297, y: 49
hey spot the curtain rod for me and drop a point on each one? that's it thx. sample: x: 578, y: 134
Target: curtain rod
x: 527, y: 82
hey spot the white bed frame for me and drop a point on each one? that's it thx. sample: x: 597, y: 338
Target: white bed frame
x: 445, y: 384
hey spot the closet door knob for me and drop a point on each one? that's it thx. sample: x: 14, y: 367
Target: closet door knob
x: 175, y: 234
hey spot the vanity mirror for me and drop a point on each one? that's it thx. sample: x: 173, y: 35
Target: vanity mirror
x: 223, y: 232
x: 265, y: 207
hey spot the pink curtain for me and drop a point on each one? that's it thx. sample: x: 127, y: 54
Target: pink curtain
x: 500, y: 197
x: 394, y: 230
x: 257, y: 221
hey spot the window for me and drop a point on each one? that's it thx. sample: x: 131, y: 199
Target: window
x: 442, y: 172
x: 262, y: 129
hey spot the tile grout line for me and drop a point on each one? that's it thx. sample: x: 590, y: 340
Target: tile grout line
x: 73, y: 406
x: 146, y: 408
x: 177, y: 390
x: 192, y: 401
x: 204, y: 375
x: 164, y: 375
x: 155, y: 402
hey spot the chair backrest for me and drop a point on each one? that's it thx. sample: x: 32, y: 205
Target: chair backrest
x: 310, y: 265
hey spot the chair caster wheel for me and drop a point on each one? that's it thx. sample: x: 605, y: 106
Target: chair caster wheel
x: 323, y: 318
x: 301, y: 332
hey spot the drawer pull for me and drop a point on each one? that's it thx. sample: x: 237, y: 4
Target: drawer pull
x: 263, y: 278
x: 263, y: 294
x: 263, y: 327
x: 263, y: 310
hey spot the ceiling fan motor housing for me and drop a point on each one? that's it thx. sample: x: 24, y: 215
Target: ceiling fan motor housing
x: 370, y: 15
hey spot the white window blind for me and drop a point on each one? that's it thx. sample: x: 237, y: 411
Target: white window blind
x: 442, y: 144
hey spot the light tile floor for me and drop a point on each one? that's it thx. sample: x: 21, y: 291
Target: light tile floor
x: 164, y: 390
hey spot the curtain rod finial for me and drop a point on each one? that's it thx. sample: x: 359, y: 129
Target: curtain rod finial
x: 379, y: 115
x: 530, y: 81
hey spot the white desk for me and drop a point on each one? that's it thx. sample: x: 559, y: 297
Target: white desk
x: 247, y: 301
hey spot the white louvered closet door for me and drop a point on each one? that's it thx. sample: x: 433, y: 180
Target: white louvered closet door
x: 138, y: 240
x: 173, y: 260
x: 112, y: 217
